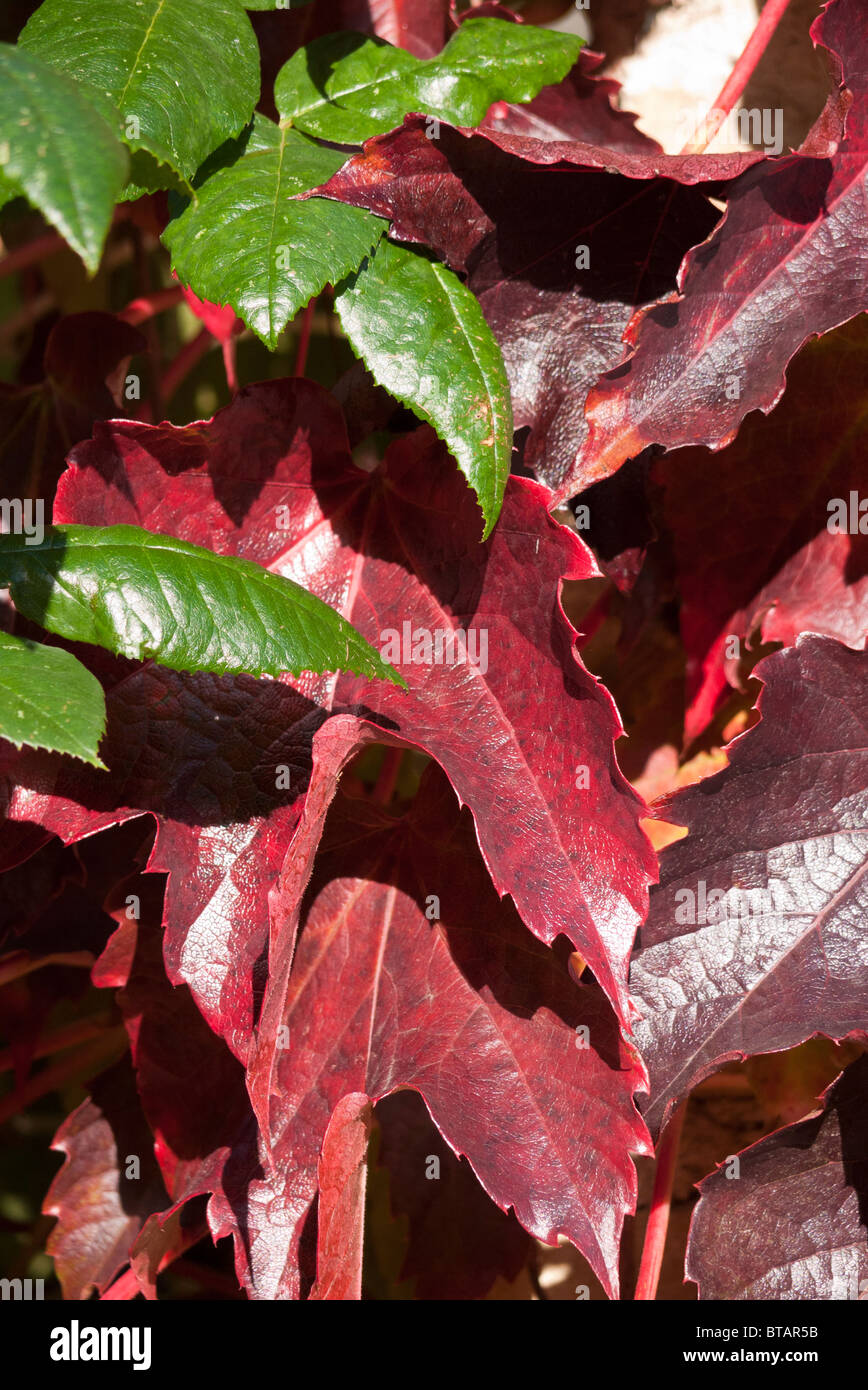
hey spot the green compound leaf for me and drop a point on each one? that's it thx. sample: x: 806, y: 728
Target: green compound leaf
x: 184, y: 74
x: 245, y: 242
x: 423, y: 337
x: 151, y: 597
x: 346, y: 88
x: 49, y: 700
x: 59, y: 151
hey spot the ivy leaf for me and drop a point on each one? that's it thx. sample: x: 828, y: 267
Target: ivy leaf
x: 184, y: 74
x: 147, y: 596
x: 764, y: 902
x: 244, y: 241
x: 49, y: 700
x: 801, y: 1192
x: 423, y: 337
x: 59, y: 151
x: 346, y: 88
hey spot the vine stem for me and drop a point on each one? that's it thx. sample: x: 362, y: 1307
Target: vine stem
x: 84, y: 1063
x: 82, y: 1030
x: 31, y: 254
x: 304, y: 339
x: 230, y: 367
x: 772, y: 14
x: 191, y: 353
x: 21, y: 963
x: 384, y: 788
x: 147, y: 305
x: 661, y: 1205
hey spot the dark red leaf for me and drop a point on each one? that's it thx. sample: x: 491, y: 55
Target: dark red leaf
x: 393, y: 548
x: 411, y: 972
x: 754, y: 939
x: 750, y: 527
x: 790, y: 1222
x: 787, y: 262
x: 85, y: 358
x: 108, y: 1186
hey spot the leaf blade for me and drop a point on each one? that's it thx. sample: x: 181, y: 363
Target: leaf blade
x: 346, y: 88
x: 139, y: 57
x: 76, y: 722
x: 247, y: 242
x: 61, y: 152
x: 464, y: 393
x: 152, y: 597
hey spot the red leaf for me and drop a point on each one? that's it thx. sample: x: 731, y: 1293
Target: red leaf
x: 471, y: 1011
x: 754, y: 937
x: 752, y: 544
x: 341, y: 1177
x: 583, y: 107
x: 85, y: 356
x: 394, y: 549
x: 221, y: 321
x: 802, y: 1195
x: 99, y: 1200
x: 787, y: 262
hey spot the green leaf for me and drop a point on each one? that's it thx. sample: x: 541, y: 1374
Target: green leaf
x: 245, y: 242
x: 184, y: 74
x: 423, y: 337
x: 49, y: 700
x: 59, y: 151
x: 152, y: 597
x: 346, y: 88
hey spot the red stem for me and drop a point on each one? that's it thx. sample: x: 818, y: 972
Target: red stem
x: 191, y: 354
x: 661, y: 1205
x: 140, y: 310
x: 384, y: 788
x: 20, y: 963
x: 773, y: 12
x: 304, y: 339
x: 31, y: 254
x: 79, y: 1031
x: 230, y: 366
x: 81, y: 1065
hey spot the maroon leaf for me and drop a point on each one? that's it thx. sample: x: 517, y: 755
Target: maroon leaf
x: 787, y: 262
x: 635, y: 160
x: 558, y: 257
x: 802, y: 1193
x: 410, y: 972
x: 583, y: 107
x: 85, y: 358
x: 752, y: 545
x: 396, y: 551
x: 204, y: 1146
x: 108, y: 1186
x: 459, y: 1241
x: 341, y: 1179
x: 754, y: 937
